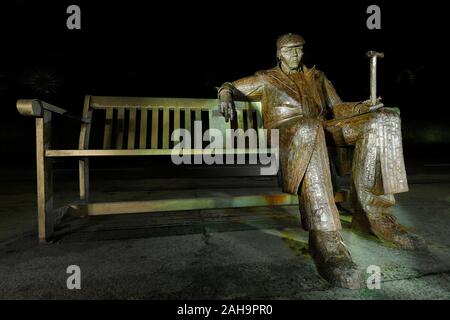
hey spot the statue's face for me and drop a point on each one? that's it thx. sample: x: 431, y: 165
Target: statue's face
x: 291, y: 56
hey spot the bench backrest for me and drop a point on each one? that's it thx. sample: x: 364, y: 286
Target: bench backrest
x: 148, y: 123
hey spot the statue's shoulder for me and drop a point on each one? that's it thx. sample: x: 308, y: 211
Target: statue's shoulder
x: 268, y: 75
x: 262, y: 73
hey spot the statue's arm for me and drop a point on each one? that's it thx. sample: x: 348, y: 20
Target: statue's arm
x: 242, y: 89
x: 341, y: 109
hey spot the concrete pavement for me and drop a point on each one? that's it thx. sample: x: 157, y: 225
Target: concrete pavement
x: 252, y: 253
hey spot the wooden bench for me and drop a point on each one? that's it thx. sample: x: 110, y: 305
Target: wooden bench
x: 136, y: 127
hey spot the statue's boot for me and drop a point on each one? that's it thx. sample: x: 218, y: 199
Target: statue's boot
x: 386, y: 228
x: 333, y: 260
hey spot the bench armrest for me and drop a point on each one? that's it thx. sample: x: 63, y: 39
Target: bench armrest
x: 35, y: 108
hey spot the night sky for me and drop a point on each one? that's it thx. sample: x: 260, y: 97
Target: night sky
x: 186, y: 49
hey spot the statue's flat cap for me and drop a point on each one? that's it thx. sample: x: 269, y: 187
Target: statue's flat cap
x: 290, y: 39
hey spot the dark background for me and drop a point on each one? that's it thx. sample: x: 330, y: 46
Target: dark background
x: 185, y: 49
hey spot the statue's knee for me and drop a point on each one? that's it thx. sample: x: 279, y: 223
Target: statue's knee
x: 391, y: 114
x: 385, y: 116
x: 306, y: 128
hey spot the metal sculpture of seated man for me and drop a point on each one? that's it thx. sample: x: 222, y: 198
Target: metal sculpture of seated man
x: 303, y: 105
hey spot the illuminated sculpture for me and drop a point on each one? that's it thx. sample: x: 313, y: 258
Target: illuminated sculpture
x: 304, y: 106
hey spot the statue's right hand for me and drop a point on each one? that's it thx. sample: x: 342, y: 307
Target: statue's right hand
x: 226, y: 105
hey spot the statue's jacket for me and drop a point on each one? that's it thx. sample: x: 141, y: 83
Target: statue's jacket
x: 297, y: 105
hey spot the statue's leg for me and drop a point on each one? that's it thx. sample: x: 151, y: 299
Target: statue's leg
x: 316, y: 197
x: 378, y: 172
x: 321, y: 217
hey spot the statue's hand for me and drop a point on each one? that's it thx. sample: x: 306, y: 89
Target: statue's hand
x: 376, y: 107
x: 368, y: 107
x: 226, y: 105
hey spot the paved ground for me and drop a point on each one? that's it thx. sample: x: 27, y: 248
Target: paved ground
x: 211, y: 254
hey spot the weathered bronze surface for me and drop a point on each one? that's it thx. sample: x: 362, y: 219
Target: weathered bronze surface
x: 303, y: 105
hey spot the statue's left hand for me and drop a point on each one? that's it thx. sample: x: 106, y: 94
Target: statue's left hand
x: 226, y: 105
x: 378, y: 104
x: 376, y: 107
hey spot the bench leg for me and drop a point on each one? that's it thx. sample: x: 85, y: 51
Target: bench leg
x: 44, y: 178
x: 83, y: 166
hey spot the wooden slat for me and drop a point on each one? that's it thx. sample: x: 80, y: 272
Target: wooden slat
x: 165, y: 139
x: 176, y: 120
x: 259, y: 126
x: 240, y: 119
x: 102, y: 102
x: 187, y: 119
x: 154, y: 144
x: 85, y: 127
x: 108, y: 208
x: 120, y: 128
x: 108, y: 129
x: 217, y: 121
x: 131, y: 129
x: 143, y: 130
x: 197, y: 142
x: 105, y: 102
x: 125, y: 207
x: 145, y: 152
x: 250, y: 118
x: 198, y: 115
